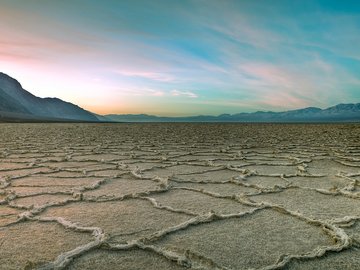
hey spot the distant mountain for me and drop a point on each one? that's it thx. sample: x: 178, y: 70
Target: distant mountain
x: 17, y: 103
x: 338, y: 113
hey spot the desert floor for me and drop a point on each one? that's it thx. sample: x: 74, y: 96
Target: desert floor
x: 179, y: 196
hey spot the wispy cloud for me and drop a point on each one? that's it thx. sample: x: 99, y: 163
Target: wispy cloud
x: 177, y: 93
x: 138, y: 92
x: 147, y: 92
x: 155, y: 76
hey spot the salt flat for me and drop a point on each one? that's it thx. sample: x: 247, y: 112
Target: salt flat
x: 179, y: 196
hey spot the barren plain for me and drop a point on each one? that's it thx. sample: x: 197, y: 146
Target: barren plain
x: 179, y: 196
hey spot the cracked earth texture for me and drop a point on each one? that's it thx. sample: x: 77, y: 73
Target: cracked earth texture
x: 179, y: 196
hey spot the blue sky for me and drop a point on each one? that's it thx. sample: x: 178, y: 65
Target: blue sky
x: 184, y: 57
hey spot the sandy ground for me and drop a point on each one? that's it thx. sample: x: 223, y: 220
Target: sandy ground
x: 179, y: 196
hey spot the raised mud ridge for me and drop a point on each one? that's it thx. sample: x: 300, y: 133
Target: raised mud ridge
x: 179, y: 196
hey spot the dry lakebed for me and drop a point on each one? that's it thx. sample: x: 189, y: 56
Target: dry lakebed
x: 179, y: 196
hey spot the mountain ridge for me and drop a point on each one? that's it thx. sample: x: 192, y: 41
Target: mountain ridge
x: 15, y: 99
x: 341, y: 112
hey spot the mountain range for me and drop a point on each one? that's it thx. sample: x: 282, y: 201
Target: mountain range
x: 17, y: 104
x: 338, y: 113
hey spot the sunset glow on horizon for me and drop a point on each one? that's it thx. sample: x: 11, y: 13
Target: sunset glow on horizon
x: 186, y: 57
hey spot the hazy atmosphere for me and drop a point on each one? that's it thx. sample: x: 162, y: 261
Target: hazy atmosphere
x: 184, y: 57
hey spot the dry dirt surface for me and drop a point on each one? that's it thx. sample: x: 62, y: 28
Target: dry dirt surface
x: 179, y: 196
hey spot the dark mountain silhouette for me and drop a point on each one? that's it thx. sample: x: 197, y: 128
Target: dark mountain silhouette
x: 338, y: 113
x: 17, y: 103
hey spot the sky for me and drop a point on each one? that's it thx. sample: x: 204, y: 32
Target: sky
x: 184, y: 57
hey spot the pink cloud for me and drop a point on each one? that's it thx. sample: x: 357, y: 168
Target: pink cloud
x: 280, y: 86
x: 283, y: 100
x: 269, y: 75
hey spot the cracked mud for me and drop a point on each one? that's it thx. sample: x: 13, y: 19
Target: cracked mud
x: 179, y: 196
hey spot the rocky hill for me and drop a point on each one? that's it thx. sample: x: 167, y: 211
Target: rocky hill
x: 14, y: 100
